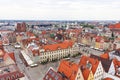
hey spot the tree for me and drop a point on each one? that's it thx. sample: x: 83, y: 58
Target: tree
x: 112, y: 35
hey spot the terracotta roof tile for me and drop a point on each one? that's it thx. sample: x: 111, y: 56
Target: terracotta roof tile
x: 105, y: 62
x: 68, y: 69
x: 98, y: 38
x: 86, y: 73
x: 12, y: 56
x: 107, y: 78
x: 115, y: 26
x: 85, y: 60
x: 30, y: 34
x: 105, y: 56
x: 95, y: 64
x: 62, y: 45
x: 5, y: 56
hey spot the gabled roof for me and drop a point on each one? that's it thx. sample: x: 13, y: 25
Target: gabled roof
x: 43, y: 32
x: 116, y: 62
x: 12, y: 55
x: 86, y: 73
x: 105, y: 56
x: 98, y: 38
x: 115, y: 26
x: 95, y: 64
x: 68, y: 69
x: 51, y: 74
x: 105, y: 62
x: 88, y: 62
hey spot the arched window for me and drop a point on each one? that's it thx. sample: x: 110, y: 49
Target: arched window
x: 12, y: 77
x: 17, y: 75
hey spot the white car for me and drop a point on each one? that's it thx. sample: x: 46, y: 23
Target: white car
x: 33, y: 65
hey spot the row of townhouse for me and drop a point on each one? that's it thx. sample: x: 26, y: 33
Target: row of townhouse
x: 51, y: 52
x: 97, y: 42
x: 89, y: 68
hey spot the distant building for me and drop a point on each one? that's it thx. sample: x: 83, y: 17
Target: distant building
x: 11, y: 37
x: 115, y: 27
x: 21, y: 27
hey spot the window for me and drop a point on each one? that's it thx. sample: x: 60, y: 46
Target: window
x: 17, y: 75
x: 8, y: 78
x: 46, y: 77
x: 50, y: 79
x: 56, y: 78
x: 2, y: 79
x: 12, y: 77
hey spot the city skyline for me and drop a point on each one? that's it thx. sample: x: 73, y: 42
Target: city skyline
x: 60, y: 9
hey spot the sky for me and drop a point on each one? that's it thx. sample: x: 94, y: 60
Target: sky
x: 60, y: 9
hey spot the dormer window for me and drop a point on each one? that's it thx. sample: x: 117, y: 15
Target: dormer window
x: 48, y: 50
x: 42, y: 50
x: 1, y: 59
x: 59, y: 48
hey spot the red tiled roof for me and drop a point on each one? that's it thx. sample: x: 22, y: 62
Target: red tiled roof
x: 116, y: 62
x: 105, y: 56
x: 43, y: 32
x: 86, y: 73
x: 107, y: 78
x: 35, y: 52
x: 98, y: 38
x: 12, y: 56
x: 93, y: 62
x: 106, y: 63
x: 115, y: 26
x: 5, y: 56
x: 30, y: 34
x: 27, y: 41
x: 83, y: 60
x: 69, y: 69
x: 63, y: 45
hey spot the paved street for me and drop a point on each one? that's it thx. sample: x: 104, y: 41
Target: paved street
x: 88, y: 51
x: 37, y: 73
x: 20, y: 64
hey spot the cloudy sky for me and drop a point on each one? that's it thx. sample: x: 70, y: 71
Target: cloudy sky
x: 60, y: 9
